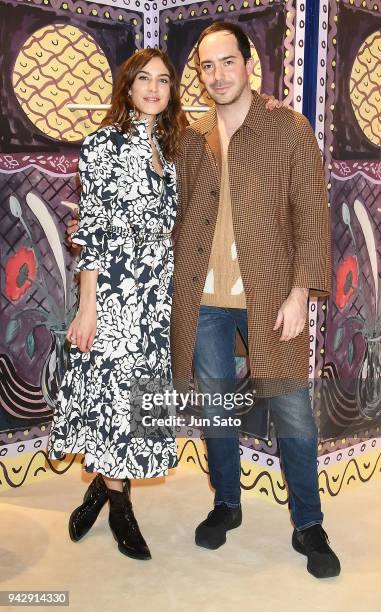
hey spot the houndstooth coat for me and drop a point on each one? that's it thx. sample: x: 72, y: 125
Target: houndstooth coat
x: 282, y: 233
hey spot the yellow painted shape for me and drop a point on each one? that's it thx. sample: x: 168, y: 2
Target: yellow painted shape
x: 34, y: 466
x: 267, y: 483
x: 365, y: 90
x: 258, y: 481
x: 61, y: 64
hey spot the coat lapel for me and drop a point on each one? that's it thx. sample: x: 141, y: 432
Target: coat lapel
x: 208, y: 127
x: 256, y: 116
x: 213, y: 140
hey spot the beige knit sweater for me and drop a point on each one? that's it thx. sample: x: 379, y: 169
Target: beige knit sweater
x: 223, y: 286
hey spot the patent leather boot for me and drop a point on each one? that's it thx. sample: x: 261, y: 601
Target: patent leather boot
x: 125, y: 528
x: 83, y: 518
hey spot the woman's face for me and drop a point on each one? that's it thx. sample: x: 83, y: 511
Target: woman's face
x: 150, y: 91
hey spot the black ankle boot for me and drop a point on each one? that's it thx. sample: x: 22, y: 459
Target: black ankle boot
x: 83, y: 518
x: 125, y: 528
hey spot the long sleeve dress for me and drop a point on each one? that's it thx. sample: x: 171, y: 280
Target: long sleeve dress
x: 127, y: 212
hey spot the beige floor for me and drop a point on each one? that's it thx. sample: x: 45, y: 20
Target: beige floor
x: 256, y: 568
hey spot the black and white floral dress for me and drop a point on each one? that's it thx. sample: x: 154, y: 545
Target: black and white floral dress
x: 127, y: 212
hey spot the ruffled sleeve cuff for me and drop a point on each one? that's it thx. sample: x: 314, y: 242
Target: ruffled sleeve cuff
x: 93, y: 253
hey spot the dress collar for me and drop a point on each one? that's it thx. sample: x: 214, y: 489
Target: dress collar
x: 136, y: 121
x: 144, y: 122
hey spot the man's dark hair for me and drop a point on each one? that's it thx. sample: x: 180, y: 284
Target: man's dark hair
x: 233, y: 28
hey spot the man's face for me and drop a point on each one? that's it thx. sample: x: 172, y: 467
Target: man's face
x: 222, y: 67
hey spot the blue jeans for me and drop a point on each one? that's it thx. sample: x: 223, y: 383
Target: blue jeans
x: 214, y: 365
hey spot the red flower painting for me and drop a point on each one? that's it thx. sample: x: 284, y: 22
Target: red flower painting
x: 346, y: 281
x: 20, y: 270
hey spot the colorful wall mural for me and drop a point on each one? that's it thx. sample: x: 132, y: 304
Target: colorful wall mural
x: 349, y: 115
x: 59, y: 53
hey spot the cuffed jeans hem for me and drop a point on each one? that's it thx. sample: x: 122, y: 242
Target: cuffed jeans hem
x: 310, y: 524
x: 228, y: 504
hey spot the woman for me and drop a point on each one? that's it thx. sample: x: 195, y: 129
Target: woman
x: 120, y: 335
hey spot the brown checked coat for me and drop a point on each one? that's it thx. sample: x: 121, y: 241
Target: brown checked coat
x: 282, y: 233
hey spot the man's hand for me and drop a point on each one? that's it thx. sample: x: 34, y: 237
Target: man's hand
x: 72, y: 226
x: 292, y: 314
x: 273, y: 102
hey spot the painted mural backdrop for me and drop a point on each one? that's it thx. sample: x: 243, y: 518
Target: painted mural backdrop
x: 57, y: 53
x: 350, y: 354
x: 348, y: 120
x: 52, y: 55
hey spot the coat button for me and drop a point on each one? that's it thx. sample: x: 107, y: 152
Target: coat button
x: 206, y: 222
x: 200, y: 250
x: 213, y: 193
x: 195, y: 279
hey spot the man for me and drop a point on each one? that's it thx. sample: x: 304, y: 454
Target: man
x: 253, y: 243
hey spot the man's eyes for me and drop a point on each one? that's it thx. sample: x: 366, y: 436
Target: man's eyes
x: 209, y: 67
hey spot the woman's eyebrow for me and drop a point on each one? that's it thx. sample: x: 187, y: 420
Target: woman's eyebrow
x: 160, y: 75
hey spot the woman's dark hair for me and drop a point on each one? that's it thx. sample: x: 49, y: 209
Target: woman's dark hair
x: 171, y: 122
x: 227, y: 26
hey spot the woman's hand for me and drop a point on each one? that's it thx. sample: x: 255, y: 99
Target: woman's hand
x: 83, y: 329
x: 273, y: 102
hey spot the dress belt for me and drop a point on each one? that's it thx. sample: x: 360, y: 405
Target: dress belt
x: 139, y: 237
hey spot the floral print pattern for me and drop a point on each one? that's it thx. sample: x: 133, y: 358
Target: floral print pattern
x: 127, y: 212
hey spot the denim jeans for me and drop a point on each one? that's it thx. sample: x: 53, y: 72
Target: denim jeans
x: 214, y: 365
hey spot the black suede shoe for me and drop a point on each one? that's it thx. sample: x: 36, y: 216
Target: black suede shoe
x: 125, y: 528
x: 313, y: 542
x: 211, y: 533
x: 83, y: 518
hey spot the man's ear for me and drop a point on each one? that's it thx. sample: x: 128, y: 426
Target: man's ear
x: 249, y: 66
